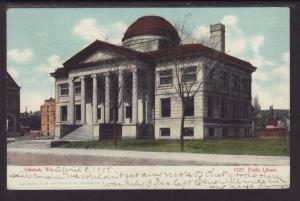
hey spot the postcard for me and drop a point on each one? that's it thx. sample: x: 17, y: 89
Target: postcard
x: 148, y: 98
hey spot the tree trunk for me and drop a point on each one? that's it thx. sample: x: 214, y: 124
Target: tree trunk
x: 115, y: 127
x: 182, y: 127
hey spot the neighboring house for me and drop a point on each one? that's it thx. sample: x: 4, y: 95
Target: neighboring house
x: 271, y: 123
x: 144, y: 68
x: 12, y: 105
x: 48, y: 117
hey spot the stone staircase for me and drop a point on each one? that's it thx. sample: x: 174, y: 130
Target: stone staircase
x: 84, y: 132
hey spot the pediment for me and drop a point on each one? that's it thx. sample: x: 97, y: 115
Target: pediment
x: 95, y: 52
x: 98, y: 56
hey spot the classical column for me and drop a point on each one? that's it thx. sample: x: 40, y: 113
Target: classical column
x: 121, y: 98
x: 107, y: 98
x: 134, y: 97
x: 71, y: 101
x: 95, y: 103
x: 82, y: 93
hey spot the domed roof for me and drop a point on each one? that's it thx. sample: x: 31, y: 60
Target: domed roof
x: 151, y: 25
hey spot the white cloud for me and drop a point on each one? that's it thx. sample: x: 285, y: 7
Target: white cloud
x: 89, y: 30
x: 13, y: 72
x: 286, y: 57
x: 120, y: 26
x: 235, y: 47
x: 20, y: 56
x: 260, y: 76
x: 259, y: 61
x: 201, y: 34
x: 273, y: 87
x: 52, y: 63
x: 256, y: 42
x: 230, y: 23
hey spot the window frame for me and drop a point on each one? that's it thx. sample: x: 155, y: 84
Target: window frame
x: 163, y: 109
x: 78, y: 112
x: 166, y: 76
x: 190, y: 105
x: 77, y: 88
x: 61, y: 113
x: 63, y: 88
x: 185, y: 131
x: 166, y: 129
x: 186, y: 73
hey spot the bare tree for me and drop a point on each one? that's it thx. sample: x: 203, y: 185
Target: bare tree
x: 189, y: 78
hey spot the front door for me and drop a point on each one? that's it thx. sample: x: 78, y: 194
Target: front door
x: 89, y: 114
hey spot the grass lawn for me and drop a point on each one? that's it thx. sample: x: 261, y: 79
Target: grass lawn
x: 248, y: 146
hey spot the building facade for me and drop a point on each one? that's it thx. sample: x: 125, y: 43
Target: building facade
x: 12, y: 105
x: 48, y: 117
x: 143, y: 76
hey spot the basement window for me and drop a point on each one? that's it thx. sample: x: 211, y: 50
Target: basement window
x: 164, y: 132
x: 189, y: 131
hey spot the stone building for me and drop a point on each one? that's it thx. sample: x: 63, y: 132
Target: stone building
x: 12, y: 105
x: 48, y: 117
x: 144, y: 69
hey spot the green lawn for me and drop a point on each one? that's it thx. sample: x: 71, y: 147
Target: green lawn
x: 249, y: 146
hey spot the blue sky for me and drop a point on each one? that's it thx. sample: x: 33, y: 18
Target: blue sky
x: 41, y: 39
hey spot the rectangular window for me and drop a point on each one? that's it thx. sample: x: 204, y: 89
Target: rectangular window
x: 99, y: 113
x: 236, y: 132
x: 211, y: 132
x: 63, y: 113
x: 128, y: 112
x: 78, y: 112
x: 223, y: 83
x: 166, y: 77
x: 225, y: 132
x: 235, y: 82
x: 189, y: 74
x: 77, y: 88
x: 210, y: 107
x: 64, y: 89
x: 164, y: 131
x: 189, y: 131
x: 189, y: 106
x: 165, y: 105
x: 223, y: 109
x: 234, y: 110
x: 246, y: 111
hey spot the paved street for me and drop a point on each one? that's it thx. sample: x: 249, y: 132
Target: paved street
x: 38, y: 152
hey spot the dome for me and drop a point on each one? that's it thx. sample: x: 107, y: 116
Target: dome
x: 151, y: 25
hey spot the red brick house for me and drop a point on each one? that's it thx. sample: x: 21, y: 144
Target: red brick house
x: 48, y: 117
x: 12, y: 105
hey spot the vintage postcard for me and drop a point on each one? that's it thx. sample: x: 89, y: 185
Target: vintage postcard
x: 148, y: 98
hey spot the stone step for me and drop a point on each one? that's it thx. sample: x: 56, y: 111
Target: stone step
x: 81, y: 133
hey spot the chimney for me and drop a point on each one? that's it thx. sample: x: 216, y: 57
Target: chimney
x: 217, y: 37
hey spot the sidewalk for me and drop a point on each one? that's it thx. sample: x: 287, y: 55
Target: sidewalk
x: 181, y: 158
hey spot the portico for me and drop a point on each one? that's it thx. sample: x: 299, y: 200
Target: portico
x: 114, y: 87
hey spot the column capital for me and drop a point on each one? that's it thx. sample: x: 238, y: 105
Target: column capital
x: 106, y: 74
x: 94, y: 75
x: 134, y: 70
x: 82, y: 77
x: 71, y: 79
